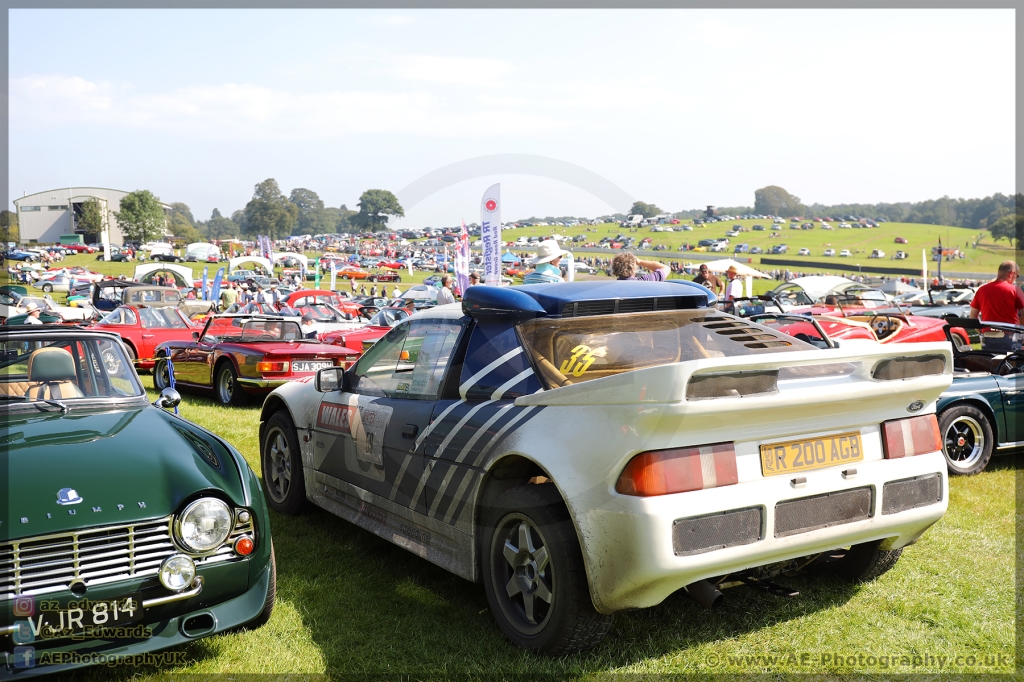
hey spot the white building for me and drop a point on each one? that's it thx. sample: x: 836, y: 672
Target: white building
x: 44, y: 216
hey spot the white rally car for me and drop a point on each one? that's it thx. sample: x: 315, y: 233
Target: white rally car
x: 586, y: 447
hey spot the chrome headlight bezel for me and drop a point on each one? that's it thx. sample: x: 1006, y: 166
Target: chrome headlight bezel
x: 177, y: 564
x: 180, y: 520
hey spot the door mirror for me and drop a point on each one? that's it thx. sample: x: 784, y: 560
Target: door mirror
x: 195, y: 336
x: 330, y: 379
x: 169, y: 398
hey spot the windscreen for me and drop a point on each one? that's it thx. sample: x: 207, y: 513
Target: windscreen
x: 242, y: 330
x: 574, y: 349
x: 65, y: 369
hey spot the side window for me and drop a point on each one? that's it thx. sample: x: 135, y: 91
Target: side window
x: 409, y: 362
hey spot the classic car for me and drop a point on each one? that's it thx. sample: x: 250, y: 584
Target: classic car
x: 238, y: 356
x: 982, y: 413
x: 574, y: 447
x: 143, y: 328
x: 391, y: 276
x: 361, y: 338
x: 939, y: 302
x: 340, y: 301
x: 12, y: 304
x: 50, y: 282
x: 126, y: 529
x: 349, y: 272
x: 813, y: 289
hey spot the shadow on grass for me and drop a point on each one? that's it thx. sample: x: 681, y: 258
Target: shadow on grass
x: 373, y: 608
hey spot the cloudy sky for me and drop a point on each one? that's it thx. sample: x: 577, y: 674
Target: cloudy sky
x: 681, y: 108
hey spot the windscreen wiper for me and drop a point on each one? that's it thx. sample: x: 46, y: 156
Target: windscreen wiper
x: 64, y: 409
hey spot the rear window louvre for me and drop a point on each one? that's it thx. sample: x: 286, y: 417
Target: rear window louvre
x: 626, y: 305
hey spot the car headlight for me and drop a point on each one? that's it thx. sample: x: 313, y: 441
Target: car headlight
x: 204, y: 525
x: 177, y: 572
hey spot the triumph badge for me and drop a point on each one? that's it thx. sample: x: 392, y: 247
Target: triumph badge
x: 66, y: 496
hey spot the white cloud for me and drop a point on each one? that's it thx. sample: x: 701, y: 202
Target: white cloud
x: 482, y: 73
x: 397, y: 20
x: 239, y: 111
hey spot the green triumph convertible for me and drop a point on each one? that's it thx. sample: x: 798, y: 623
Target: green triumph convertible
x: 125, y: 529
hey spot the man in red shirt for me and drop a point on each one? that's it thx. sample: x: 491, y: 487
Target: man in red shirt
x: 1001, y: 300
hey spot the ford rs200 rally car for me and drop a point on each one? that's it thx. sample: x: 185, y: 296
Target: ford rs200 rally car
x: 586, y: 447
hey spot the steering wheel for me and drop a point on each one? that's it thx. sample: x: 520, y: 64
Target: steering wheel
x: 881, y: 325
x: 1011, y: 362
x: 266, y: 337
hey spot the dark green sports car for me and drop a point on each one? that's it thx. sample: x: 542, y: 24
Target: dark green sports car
x: 125, y: 529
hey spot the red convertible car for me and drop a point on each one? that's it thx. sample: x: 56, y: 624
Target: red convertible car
x: 307, y: 297
x: 142, y: 329
x: 362, y: 338
x: 241, y: 355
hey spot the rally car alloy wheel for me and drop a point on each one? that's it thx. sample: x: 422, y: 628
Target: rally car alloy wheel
x: 534, y: 576
x: 283, y: 480
x: 966, y: 439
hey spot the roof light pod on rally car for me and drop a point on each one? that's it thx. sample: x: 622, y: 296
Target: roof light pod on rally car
x: 911, y: 436
x: 679, y: 470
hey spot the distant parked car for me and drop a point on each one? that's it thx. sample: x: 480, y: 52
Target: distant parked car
x: 804, y: 252
x: 877, y: 253
x: 829, y: 252
x: 845, y: 253
x: 901, y: 240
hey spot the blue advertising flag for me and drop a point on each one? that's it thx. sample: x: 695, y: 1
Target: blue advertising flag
x: 206, y: 274
x: 216, y: 285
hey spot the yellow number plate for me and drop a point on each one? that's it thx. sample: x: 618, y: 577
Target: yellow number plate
x: 813, y: 453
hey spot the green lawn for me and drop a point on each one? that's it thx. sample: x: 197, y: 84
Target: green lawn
x: 351, y: 603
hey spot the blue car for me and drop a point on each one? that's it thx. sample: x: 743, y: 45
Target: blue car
x: 981, y: 413
x: 15, y: 254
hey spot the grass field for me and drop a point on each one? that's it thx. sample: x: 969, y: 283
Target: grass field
x: 350, y: 603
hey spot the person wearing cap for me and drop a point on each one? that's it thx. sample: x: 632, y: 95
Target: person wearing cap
x: 545, y: 263
x: 734, y: 289
x: 474, y: 279
x: 708, y: 279
x: 625, y: 266
x: 444, y: 294
x: 308, y: 328
x: 33, y: 314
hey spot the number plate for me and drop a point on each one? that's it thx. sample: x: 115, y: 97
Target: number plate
x: 812, y: 453
x: 311, y: 365
x: 80, y: 619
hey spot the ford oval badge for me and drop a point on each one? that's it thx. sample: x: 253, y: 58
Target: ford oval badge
x: 915, y: 406
x: 67, y: 496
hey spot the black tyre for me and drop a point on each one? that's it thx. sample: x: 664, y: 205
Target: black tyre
x: 161, y: 374
x: 398, y: 279
x: 534, y: 576
x: 177, y: 260
x: 860, y: 563
x: 226, y: 386
x: 372, y: 278
x: 283, y: 480
x: 47, y: 287
x: 967, y: 439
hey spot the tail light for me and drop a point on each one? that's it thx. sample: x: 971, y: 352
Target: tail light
x: 909, y: 437
x: 679, y: 470
x: 276, y: 366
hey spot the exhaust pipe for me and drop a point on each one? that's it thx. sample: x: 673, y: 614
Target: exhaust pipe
x: 705, y: 594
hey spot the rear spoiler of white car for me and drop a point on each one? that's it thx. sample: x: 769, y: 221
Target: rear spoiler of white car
x: 844, y: 374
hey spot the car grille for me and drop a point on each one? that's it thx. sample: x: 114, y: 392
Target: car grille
x: 629, y: 305
x: 822, y: 511
x: 51, y: 563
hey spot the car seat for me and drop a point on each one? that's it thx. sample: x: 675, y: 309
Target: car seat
x: 51, y: 373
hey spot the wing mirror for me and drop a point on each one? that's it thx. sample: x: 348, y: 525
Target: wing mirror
x: 169, y: 399
x: 330, y: 379
x: 195, y: 336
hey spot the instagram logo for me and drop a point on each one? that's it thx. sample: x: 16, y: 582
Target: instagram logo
x: 24, y: 606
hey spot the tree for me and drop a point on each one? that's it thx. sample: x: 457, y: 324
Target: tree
x: 1010, y: 227
x: 9, y: 226
x: 644, y: 209
x: 269, y: 212
x: 219, y: 227
x: 141, y: 217
x: 312, y: 219
x: 90, y: 220
x: 183, y: 213
x: 774, y: 200
x: 375, y: 207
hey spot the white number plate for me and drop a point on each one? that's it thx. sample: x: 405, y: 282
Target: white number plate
x: 311, y: 365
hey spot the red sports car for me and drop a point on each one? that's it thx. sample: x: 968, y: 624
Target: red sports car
x: 364, y: 337
x: 142, y: 329
x: 883, y: 328
x: 241, y: 355
x: 307, y: 297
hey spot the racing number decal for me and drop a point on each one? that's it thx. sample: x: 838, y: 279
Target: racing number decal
x: 580, y: 361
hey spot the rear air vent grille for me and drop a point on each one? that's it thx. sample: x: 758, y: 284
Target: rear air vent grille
x: 629, y: 305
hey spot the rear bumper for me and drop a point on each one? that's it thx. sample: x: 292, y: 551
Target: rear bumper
x: 261, y: 385
x: 631, y: 555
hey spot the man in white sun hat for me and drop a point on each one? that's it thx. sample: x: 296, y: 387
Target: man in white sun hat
x: 33, y: 314
x: 546, y: 269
